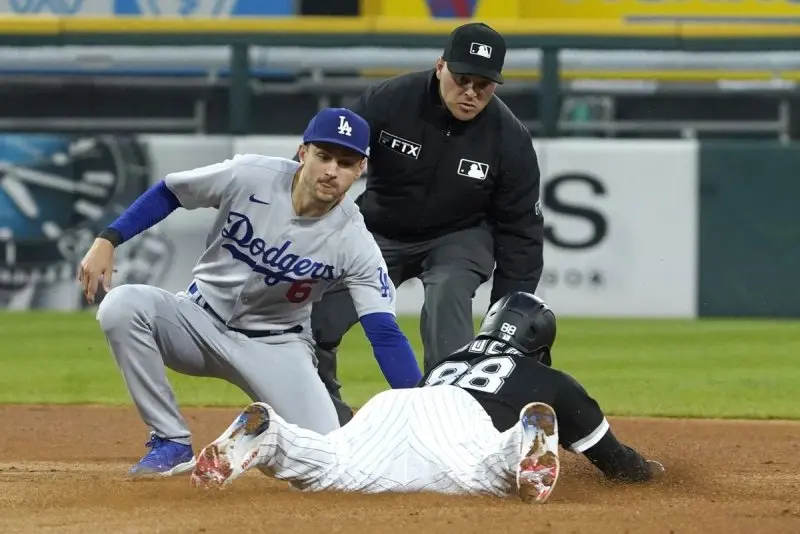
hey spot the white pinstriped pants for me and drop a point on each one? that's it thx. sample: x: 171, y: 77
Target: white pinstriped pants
x: 435, y: 439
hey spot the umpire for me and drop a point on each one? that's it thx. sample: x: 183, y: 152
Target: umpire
x: 453, y: 193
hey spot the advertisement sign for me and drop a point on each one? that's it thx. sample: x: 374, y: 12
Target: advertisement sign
x: 620, y: 227
x: 712, y: 11
x: 620, y: 230
x: 149, y: 8
x: 56, y: 193
x: 620, y: 233
x: 478, y: 9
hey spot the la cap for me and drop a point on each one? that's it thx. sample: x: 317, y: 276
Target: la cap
x: 339, y: 126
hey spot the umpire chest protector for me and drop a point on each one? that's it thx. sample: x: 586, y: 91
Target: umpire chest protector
x: 430, y: 174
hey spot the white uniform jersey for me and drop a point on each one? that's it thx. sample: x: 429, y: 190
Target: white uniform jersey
x: 264, y: 266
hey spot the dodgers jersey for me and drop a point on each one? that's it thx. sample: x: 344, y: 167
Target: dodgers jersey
x: 264, y: 266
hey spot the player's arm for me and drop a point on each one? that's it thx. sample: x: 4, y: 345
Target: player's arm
x: 517, y: 218
x: 203, y: 187
x: 373, y: 294
x: 618, y: 461
x: 583, y: 428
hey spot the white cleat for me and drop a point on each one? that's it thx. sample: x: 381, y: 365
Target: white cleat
x: 538, y: 469
x: 231, y: 454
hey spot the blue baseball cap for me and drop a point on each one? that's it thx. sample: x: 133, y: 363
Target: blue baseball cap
x: 339, y: 126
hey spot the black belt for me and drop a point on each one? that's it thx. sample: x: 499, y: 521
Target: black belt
x: 249, y: 333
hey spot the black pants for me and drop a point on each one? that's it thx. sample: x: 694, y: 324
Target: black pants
x: 451, y: 268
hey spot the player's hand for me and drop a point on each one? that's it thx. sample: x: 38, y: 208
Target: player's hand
x: 96, y: 267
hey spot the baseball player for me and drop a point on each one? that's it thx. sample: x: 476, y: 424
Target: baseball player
x: 487, y: 420
x: 284, y: 232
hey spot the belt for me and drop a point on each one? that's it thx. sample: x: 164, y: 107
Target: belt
x: 200, y: 301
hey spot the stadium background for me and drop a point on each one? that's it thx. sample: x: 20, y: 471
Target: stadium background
x: 666, y: 132
x: 703, y: 77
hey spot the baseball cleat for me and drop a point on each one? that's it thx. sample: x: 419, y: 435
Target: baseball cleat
x: 538, y: 469
x: 231, y: 454
x: 165, y: 458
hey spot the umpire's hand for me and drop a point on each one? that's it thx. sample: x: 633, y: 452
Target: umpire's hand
x: 96, y: 266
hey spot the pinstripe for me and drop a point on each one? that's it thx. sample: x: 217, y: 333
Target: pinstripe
x: 385, y: 420
x: 427, y: 439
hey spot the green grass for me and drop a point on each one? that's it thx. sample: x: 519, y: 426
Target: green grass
x: 719, y: 368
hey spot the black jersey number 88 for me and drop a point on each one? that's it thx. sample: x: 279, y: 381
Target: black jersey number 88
x: 487, y: 375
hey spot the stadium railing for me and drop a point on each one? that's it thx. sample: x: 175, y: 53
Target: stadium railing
x: 552, y: 60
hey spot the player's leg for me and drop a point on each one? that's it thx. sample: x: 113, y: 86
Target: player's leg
x: 456, y: 265
x: 351, y: 458
x: 280, y: 371
x: 147, y: 329
x: 260, y: 438
x: 451, y: 438
x: 524, y: 458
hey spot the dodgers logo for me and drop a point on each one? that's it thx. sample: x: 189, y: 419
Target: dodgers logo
x: 275, y: 263
x: 383, y: 282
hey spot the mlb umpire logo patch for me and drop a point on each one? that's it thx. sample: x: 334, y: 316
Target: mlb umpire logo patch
x: 473, y: 169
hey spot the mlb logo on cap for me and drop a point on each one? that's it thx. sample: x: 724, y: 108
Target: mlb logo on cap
x: 480, y: 49
x: 339, y: 126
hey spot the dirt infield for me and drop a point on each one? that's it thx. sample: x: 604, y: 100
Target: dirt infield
x: 62, y: 470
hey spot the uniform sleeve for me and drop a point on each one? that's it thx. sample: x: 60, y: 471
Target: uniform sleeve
x: 581, y: 422
x: 517, y: 218
x: 373, y: 295
x: 203, y: 187
x: 369, y: 284
x: 583, y: 428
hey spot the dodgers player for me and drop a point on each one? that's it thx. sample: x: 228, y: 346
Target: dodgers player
x: 284, y: 232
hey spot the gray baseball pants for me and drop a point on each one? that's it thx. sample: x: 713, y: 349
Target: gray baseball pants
x: 450, y: 267
x: 149, y: 329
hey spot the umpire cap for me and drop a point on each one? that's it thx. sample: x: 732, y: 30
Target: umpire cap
x: 475, y: 48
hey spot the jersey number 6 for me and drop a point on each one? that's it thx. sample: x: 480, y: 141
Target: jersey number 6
x: 487, y: 375
x: 299, y: 291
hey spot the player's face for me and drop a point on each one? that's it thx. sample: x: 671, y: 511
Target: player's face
x: 465, y: 95
x: 330, y: 170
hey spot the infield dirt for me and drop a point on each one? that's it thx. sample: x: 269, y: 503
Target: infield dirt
x: 63, y: 470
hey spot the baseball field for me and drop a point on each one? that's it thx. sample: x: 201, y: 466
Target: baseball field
x: 717, y: 401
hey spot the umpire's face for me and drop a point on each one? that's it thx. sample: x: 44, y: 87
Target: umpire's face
x: 329, y: 170
x: 465, y: 95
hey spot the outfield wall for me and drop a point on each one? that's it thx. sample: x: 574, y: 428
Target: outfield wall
x: 633, y: 228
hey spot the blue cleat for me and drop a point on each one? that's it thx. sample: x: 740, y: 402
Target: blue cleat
x: 166, y: 458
